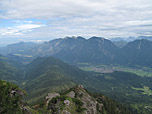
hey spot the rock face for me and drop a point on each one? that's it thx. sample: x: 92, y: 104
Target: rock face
x: 67, y: 102
x: 71, y: 94
x: 78, y: 101
x: 50, y: 97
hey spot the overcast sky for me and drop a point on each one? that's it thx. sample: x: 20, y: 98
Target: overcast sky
x: 37, y: 20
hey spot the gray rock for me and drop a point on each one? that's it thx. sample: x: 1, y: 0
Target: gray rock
x: 71, y: 94
x: 81, y: 86
x: 50, y: 97
x: 66, y: 112
x: 67, y: 102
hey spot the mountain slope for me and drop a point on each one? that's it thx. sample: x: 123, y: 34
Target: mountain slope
x: 60, y: 48
x: 95, y: 50
x: 50, y: 74
x: 18, y: 48
x: 138, y: 52
x: 8, y: 71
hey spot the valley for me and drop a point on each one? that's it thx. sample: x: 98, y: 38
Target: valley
x: 55, y: 67
x: 138, y: 70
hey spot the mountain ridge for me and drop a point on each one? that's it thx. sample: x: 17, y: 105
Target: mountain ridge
x: 96, y: 50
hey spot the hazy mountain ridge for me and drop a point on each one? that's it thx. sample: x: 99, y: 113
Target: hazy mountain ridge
x: 95, y: 50
x: 139, y: 52
x: 130, y: 38
x: 18, y: 48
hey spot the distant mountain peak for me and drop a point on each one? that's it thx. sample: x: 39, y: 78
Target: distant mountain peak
x: 74, y: 37
x: 140, y: 41
x: 97, y: 38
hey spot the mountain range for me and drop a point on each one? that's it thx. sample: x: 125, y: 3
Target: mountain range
x: 130, y: 38
x: 95, y: 50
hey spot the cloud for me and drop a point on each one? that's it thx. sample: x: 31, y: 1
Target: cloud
x: 20, y: 29
x: 45, y: 8
x: 107, y: 18
x: 69, y: 8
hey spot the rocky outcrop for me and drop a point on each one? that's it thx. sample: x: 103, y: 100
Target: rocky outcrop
x: 89, y: 103
x: 71, y: 94
x: 50, y: 96
x: 16, y: 92
x: 11, y: 100
x: 74, y: 101
x: 77, y: 101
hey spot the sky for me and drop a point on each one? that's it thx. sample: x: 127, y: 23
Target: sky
x: 40, y: 20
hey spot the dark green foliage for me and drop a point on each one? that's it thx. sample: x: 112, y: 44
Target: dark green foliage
x: 78, y: 104
x: 110, y: 106
x: 119, y: 87
x: 9, y: 103
x: 122, y: 84
x: 80, y: 109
